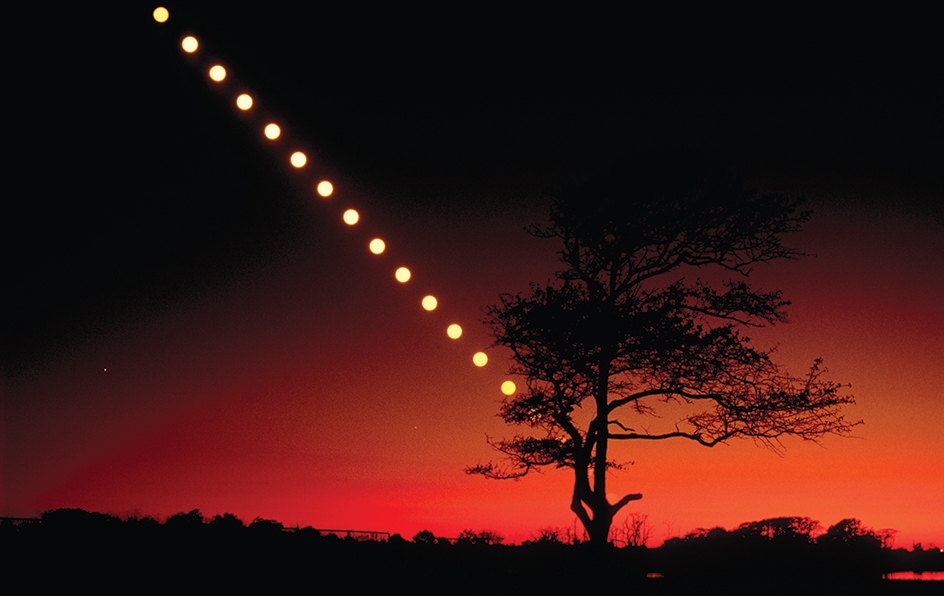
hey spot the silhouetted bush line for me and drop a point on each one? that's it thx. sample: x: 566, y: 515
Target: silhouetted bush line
x: 73, y: 547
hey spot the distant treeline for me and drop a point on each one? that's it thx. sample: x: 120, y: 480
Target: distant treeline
x: 68, y: 547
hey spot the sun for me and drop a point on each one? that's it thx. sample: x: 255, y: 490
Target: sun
x: 325, y: 188
x: 244, y: 102
x: 298, y: 159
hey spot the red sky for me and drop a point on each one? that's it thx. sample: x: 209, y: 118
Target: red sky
x: 275, y: 368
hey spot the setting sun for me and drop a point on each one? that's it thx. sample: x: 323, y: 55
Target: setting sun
x: 402, y: 274
x: 377, y: 246
x: 298, y: 159
x: 508, y: 388
x: 217, y: 73
x: 454, y: 331
x: 350, y: 217
x: 429, y: 303
x: 189, y: 44
x: 161, y: 15
x: 272, y: 131
x: 325, y: 188
x: 244, y: 102
x: 480, y: 359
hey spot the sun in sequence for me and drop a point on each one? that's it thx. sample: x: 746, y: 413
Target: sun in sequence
x: 325, y: 188
x: 244, y: 102
x: 298, y: 159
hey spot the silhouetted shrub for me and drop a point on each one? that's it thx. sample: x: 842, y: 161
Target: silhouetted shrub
x: 424, y: 537
x: 190, y: 521
x: 485, y: 537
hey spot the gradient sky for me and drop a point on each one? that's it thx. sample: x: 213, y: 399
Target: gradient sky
x: 188, y: 325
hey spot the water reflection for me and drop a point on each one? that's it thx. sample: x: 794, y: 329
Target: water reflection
x: 926, y: 576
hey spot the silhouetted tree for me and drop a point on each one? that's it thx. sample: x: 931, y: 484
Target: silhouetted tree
x: 635, y: 531
x: 424, y: 537
x: 485, y: 537
x: 266, y: 526
x: 846, y: 531
x: 781, y: 527
x: 628, y: 323
x: 191, y: 520
x: 226, y: 523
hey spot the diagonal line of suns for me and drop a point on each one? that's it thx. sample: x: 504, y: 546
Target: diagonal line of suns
x: 271, y: 130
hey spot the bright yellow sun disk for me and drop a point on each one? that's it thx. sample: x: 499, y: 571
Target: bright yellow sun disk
x: 189, y: 44
x: 272, y: 131
x: 429, y: 303
x: 244, y: 102
x: 325, y: 188
x: 217, y: 73
x: 161, y: 15
x: 351, y: 217
x: 402, y: 274
x: 298, y: 159
x: 508, y: 388
x: 377, y: 246
x: 480, y: 359
x: 454, y: 331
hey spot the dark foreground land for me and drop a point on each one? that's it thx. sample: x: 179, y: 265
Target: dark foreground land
x: 76, y: 550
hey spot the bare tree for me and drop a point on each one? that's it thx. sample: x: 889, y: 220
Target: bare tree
x: 634, y: 531
x: 629, y: 326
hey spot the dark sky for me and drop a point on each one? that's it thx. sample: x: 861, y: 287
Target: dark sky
x: 149, y: 225
x: 462, y: 102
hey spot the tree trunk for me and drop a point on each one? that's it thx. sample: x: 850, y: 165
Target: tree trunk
x: 602, y: 512
x: 598, y: 521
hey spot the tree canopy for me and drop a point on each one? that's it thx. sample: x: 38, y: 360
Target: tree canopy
x: 639, y: 317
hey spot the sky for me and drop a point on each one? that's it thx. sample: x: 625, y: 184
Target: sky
x: 188, y: 324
